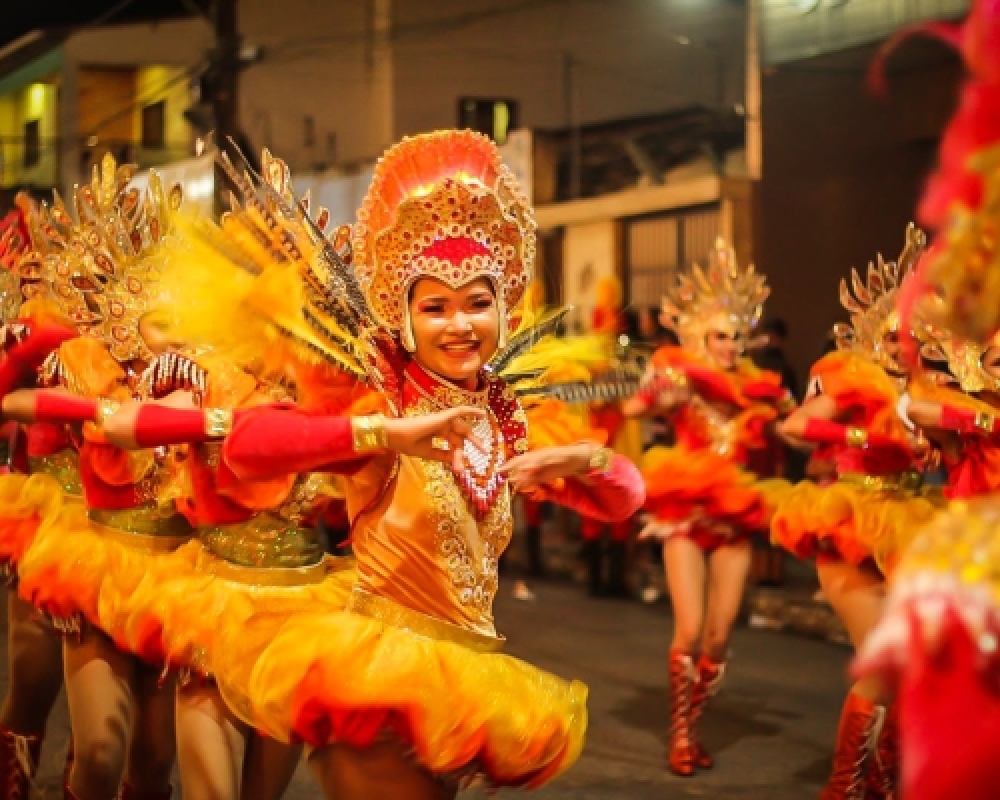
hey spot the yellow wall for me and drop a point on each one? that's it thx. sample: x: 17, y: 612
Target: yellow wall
x: 111, y: 104
x: 35, y: 101
x: 171, y: 85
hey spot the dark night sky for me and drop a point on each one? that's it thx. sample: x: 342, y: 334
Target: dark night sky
x: 22, y: 16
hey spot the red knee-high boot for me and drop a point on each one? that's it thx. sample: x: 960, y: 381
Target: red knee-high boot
x: 861, y: 723
x: 18, y: 762
x: 707, y: 682
x: 681, y: 756
x: 883, y: 773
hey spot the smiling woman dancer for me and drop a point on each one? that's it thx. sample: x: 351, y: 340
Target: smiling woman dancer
x: 702, y: 501
x: 405, y: 694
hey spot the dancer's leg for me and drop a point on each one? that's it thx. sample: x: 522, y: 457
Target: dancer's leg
x: 268, y: 767
x: 686, y: 577
x: 210, y: 744
x: 153, y: 747
x: 728, y: 567
x: 374, y: 773
x: 100, y: 686
x: 35, y: 669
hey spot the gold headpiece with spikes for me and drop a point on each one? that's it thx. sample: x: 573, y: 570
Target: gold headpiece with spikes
x: 102, y: 268
x: 13, y: 243
x: 722, y: 297
x: 872, y: 303
x: 442, y: 205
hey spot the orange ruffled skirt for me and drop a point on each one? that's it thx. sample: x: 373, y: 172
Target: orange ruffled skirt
x: 345, y: 677
x: 190, y: 600
x: 848, y: 522
x: 25, y: 502
x: 700, y: 490
x: 72, y: 560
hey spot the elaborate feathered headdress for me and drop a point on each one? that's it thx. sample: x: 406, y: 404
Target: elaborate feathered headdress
x: 722, y: 297
x: 102, y: 267
x: 442, y: 205
x: 13, y: 243
x: 334, y: 303
x: 872, y: 302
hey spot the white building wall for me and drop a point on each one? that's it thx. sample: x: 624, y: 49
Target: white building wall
x: 589, y: 254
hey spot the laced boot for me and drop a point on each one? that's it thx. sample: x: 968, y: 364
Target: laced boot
x: 681, y: 757
x: 18, y: 762
x: 861, y: 723
x: 883, y: 772
x: 707, y: 682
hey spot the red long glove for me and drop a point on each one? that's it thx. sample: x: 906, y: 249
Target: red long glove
x: 821, y: 431
x: 158, y: 426
x: 58, y: 407
x: 272, y: 441
x: 24, y: 354
x: 964, y: 420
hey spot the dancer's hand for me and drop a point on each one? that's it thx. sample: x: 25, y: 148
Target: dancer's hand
x: 548, y: 464
x: 436, y: 437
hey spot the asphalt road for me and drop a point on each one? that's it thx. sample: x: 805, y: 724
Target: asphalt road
x: 771, y: 727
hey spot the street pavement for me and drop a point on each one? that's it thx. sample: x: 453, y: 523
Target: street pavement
x: 771, y: 727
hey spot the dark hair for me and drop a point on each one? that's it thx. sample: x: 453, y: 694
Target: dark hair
x: 777, y: 326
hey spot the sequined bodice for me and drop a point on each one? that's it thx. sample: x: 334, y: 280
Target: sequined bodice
x: 421, y: 545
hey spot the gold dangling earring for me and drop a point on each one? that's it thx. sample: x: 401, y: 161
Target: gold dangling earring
x: 502, y: 314
x: 406, y: 334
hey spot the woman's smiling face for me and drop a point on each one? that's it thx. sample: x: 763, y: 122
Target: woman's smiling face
x: 455, y: 330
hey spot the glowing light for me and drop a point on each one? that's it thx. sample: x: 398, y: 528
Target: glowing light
x: 36, y: 100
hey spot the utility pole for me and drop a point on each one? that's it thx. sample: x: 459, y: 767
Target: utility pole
x: 571, y: 105
x: 225, y: 101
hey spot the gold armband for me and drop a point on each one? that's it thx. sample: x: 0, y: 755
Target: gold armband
x: 985, y: 421
x: 856, y: 437
x: 600, y: 461
x: 677, y: 377
x: 106, y: 408
x: 369, y: 433
x: 218, y: 422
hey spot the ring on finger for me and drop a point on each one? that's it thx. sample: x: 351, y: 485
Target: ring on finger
x: 440, y: 443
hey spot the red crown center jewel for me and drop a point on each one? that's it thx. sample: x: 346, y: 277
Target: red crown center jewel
x: 456, y: 250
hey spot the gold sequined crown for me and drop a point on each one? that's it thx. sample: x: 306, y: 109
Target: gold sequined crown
x: 102, y: 268
x: 442, y: 205
x: 13, y: 242
x: 872, y: 303
x: 722, y: 296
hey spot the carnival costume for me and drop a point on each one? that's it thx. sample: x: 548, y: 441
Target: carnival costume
x: 869, y: 513
x: 257, y: 554
x: 98, y: 270
x: 415, y: 656
x: 32, y: 645
x: 938, y: 639
x: 867, y: 516
x: 698, y: 488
